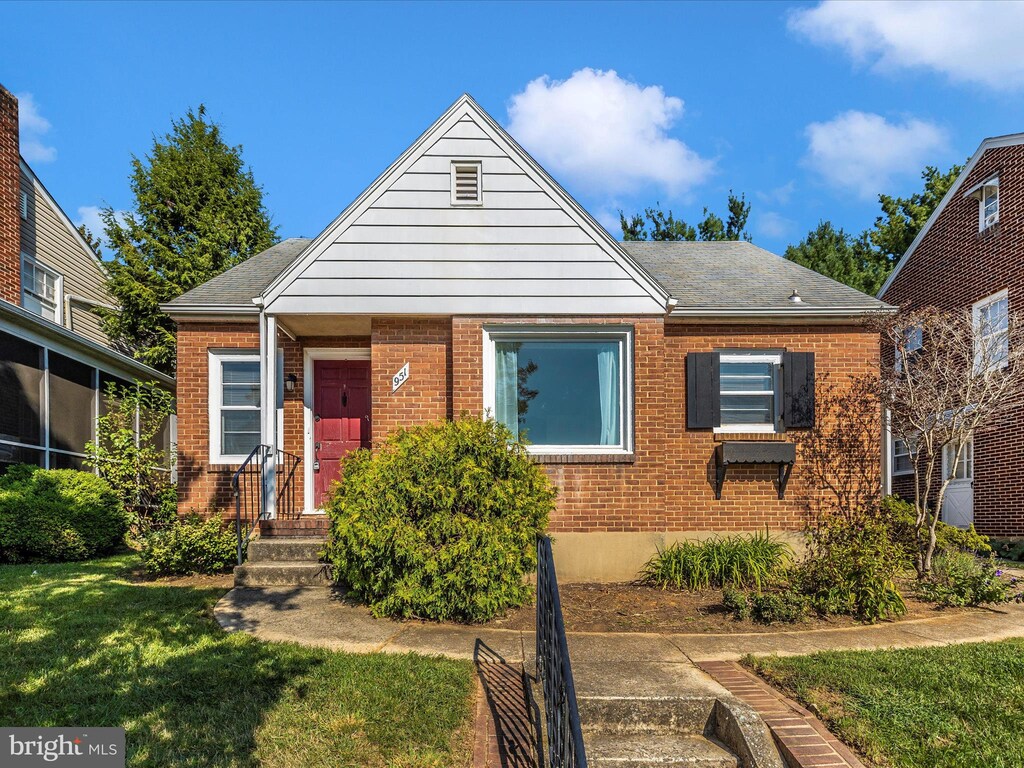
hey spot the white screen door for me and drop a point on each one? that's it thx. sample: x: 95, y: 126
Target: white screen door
x: 958, y: 505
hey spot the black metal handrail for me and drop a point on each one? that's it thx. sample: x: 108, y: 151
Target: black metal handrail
x: 247, y: 486
x: 562, y: 730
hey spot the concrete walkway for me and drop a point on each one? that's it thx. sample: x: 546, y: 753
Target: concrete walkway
x: 324, y: 617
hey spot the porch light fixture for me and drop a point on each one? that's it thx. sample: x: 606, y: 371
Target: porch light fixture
x: 290, y: 381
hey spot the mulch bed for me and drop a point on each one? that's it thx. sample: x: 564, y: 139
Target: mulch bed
x: 636, y: 608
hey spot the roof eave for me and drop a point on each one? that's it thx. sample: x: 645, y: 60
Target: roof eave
x: 218, y: 311
x: 24, y: 318
x: 775, y: 314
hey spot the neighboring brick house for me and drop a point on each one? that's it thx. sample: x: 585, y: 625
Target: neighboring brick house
x: 465, y: 280
x: 54, y: 357
x: 970, y: 256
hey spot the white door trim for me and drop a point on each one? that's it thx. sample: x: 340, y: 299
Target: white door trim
x: 309, y: 354
x: 955, y: 485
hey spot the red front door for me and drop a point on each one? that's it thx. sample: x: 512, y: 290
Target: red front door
x: 341, y: 418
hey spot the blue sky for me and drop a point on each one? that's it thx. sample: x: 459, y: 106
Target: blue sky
x: 809, y: 109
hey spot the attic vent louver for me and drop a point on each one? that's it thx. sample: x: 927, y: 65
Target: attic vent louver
x: 467, y: 183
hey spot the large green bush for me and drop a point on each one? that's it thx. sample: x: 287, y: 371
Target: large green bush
x: 440, y: 523
x: 57, y: 514
x: 189, y: 545
x: 963, y: 578
x: 730, y: 561
x: 851, y: 568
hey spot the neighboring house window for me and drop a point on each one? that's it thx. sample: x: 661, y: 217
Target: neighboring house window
x: 913, y: 342
x: 902, y: 458
x: 750, y: 391
x: 41, y: 289
x: 467, y: 183
x: 234, y: 405
x: 992, y: 332
x: 563, y: 390
x: 988, y: 203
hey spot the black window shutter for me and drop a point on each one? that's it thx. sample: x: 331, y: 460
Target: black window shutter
x: 703, y: 396
x: 798, y: 390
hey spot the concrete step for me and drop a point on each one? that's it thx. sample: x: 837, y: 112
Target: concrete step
x: 307, y: 525
x: 641, y: 751
x: 283, y: 574
x: 278, y: 548
x: 639, y: 715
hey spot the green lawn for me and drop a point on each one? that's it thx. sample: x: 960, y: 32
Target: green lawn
x: 958, y: 706
x: 82, y: 645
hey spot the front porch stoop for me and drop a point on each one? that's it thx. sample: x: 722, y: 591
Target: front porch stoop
x: 281, y: 561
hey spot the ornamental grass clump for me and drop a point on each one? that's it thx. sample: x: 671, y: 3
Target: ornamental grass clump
x: 757, y: 561
x: 440, y: 523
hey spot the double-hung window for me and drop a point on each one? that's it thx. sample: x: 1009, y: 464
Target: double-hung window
x: 750, y: 388
x: 41, y: 289
x: 913, y: 341
x: 561, y: 390
x: 234, y: 405
x: 902, y: 458
x: 992, y: 332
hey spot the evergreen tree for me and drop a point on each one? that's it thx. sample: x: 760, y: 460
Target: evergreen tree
x: 91, y: 239
x: 841, y: 256
x: 903, y: 217
x: 197, y: 212
x: 665, y: 226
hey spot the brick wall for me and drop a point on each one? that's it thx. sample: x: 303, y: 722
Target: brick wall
x: 664, y: 486
x: 953, y: 267
x: 10, y: 200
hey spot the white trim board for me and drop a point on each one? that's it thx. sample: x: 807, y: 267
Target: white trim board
x: 309, y: 354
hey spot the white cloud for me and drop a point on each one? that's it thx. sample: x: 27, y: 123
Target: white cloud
x: 605, y: 133
x: 972, y: 42
x: 773, y: 225
x: 32, y: 128
x: 90, y: 216
x: 863, y: 152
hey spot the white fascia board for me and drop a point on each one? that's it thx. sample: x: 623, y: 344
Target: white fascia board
x: 218, y: 311
x: 774, y: 314
x: 991, y: 143
x: 464, y: 105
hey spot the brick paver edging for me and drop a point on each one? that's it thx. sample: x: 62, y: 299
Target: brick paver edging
x: 802, y: 738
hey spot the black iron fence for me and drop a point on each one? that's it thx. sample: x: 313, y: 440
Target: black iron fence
x: 247, y: 486
x: 562, y: 730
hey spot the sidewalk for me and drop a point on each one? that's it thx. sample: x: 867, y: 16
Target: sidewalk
x: 324, y: 617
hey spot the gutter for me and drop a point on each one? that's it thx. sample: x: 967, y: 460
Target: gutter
x: 202, y: 311
x: 739, y: 314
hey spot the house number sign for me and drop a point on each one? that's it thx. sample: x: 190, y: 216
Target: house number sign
x: 400, y: 378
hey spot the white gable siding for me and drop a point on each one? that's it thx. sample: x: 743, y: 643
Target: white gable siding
x: 409, y: 251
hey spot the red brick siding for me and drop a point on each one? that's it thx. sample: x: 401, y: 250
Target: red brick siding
x: 664, y: 486
x: 953, y: 267
x: 10, y: 200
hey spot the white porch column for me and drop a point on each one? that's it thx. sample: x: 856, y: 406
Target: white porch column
x: 268, y: 409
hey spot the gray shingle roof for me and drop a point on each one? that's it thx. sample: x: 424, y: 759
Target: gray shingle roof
x: 719, y: 276
x: 242, y: 283
x: 739, y: 275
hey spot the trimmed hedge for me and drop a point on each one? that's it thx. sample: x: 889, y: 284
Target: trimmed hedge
x: 57, y: 514
x: 189, y: 545
x: 440, y: 523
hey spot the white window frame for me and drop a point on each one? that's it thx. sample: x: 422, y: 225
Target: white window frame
x: 623, y: 335
x: 896, y: 443
x: 477, y: 166
x: 983, y: 222
x: 759, y: 356
x: 216, y: 381
x: 979, y: 338
x: 58, y: 280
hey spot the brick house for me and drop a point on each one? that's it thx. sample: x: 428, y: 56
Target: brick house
x: 55, y: 359
x: 970, y: 255
x: 659, y: 384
